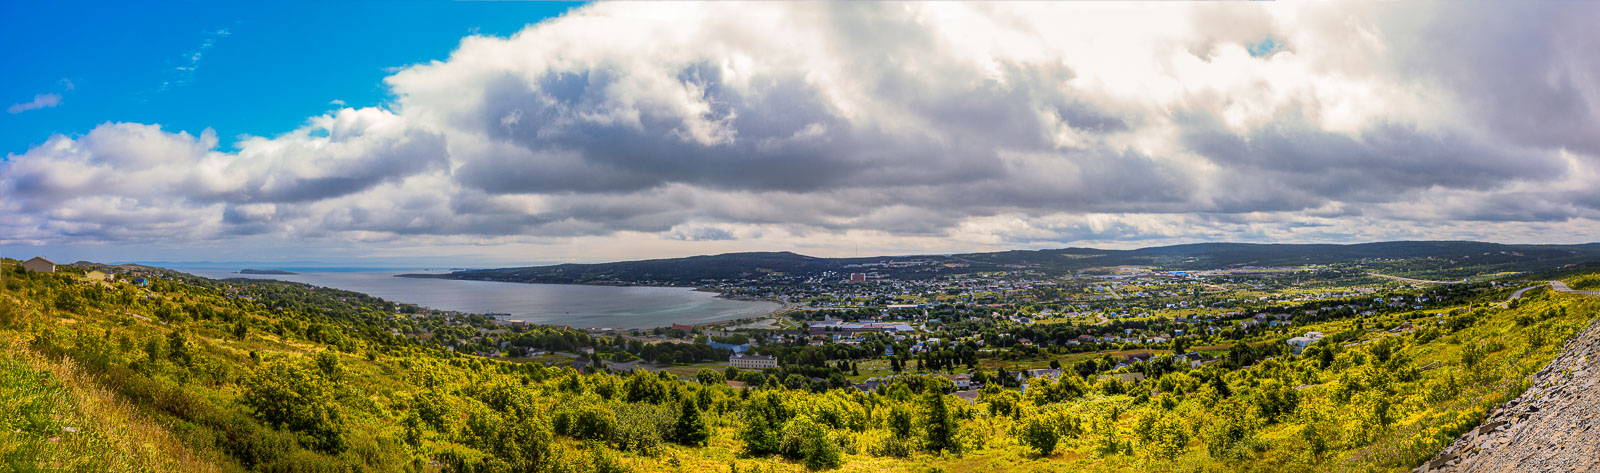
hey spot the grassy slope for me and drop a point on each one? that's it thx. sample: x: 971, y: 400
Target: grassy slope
x: 137, y: 412
x: 56, y: 417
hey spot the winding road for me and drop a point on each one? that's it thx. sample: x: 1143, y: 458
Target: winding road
x: 1518, y: 294
x: 1557, y: 285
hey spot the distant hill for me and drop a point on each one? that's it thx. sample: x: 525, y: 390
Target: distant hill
x: 661, y: 271
x: 265, y: 271
x: 1453, y: 259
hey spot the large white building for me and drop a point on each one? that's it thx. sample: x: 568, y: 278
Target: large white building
x: 753, y: 362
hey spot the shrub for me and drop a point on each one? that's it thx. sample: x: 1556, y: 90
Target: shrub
x: 892, y: 446
x: 709, y: 377
x: 1039, y: 433
x: 328, y: 365
x: 763, y: 415
x: 288, y: 395
x: 644, y: 387
x: 807, y: 441
x: 642, y: 427
x: 593, y: 422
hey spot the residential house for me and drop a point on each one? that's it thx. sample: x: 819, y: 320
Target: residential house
x: 1051, y: 372
x: 1300, y: 343
x: 39, y: 265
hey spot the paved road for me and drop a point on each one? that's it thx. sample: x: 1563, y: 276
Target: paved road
x: 1413, y: 281
x: 1518, y: 294
x: 1562, y: 287
x: 1557, y: 285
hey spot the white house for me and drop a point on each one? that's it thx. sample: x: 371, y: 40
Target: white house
x: 1300, y: 343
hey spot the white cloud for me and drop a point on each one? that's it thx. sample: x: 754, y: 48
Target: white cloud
x: 39, y: 101
x: 935, y: 126
x: 183, y: 73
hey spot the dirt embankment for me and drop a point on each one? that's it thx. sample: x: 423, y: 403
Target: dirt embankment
x: 1554, y: 426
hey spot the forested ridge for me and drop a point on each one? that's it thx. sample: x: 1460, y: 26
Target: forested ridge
x: 1442, y: 259
x: 195, y: 375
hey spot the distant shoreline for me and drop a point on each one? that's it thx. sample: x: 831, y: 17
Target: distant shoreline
x: 720, y: 295
x: 275, y: 272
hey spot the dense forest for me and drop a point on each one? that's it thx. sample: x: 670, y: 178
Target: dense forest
x: 196, y: 375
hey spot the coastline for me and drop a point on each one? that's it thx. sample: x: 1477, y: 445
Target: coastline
x: 784, y: 306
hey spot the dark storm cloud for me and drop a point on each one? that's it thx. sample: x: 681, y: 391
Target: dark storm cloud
x: 1531, y: 72
x: 781, y: 139
x: 1291, y: 166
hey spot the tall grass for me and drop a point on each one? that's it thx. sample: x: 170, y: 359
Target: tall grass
x: 54, y: 418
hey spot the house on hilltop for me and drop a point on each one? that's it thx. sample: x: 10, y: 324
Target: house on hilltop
x: 39, y: 265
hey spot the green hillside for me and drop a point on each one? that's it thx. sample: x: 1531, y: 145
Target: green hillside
x: 196, y: 375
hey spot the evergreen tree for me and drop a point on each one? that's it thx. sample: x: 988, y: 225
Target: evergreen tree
x: 178, y: 348
x: 690, y: 429
x: 940, y: 424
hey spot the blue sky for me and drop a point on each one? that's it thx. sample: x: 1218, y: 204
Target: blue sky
x: 267, y: 67
x: 499, y: 133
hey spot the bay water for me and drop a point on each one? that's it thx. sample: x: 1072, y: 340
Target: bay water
x: 582, y: 306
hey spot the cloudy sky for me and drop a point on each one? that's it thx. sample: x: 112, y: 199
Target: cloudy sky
x: 499, y: 134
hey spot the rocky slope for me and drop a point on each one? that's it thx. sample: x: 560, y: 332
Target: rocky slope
x: 1554, y: 426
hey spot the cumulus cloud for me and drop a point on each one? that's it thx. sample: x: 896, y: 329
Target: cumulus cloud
x: 928, y: 125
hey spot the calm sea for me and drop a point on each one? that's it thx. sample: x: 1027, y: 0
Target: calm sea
x: 578, y: 305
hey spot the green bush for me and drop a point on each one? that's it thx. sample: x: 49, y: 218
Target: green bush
x: 763, y: 416
x: 1039, y: 433
x: 289, y: 395
x: 593, y: 422
x: 806, y: 440
x: 642, y: 427
x: 1584, y: 282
